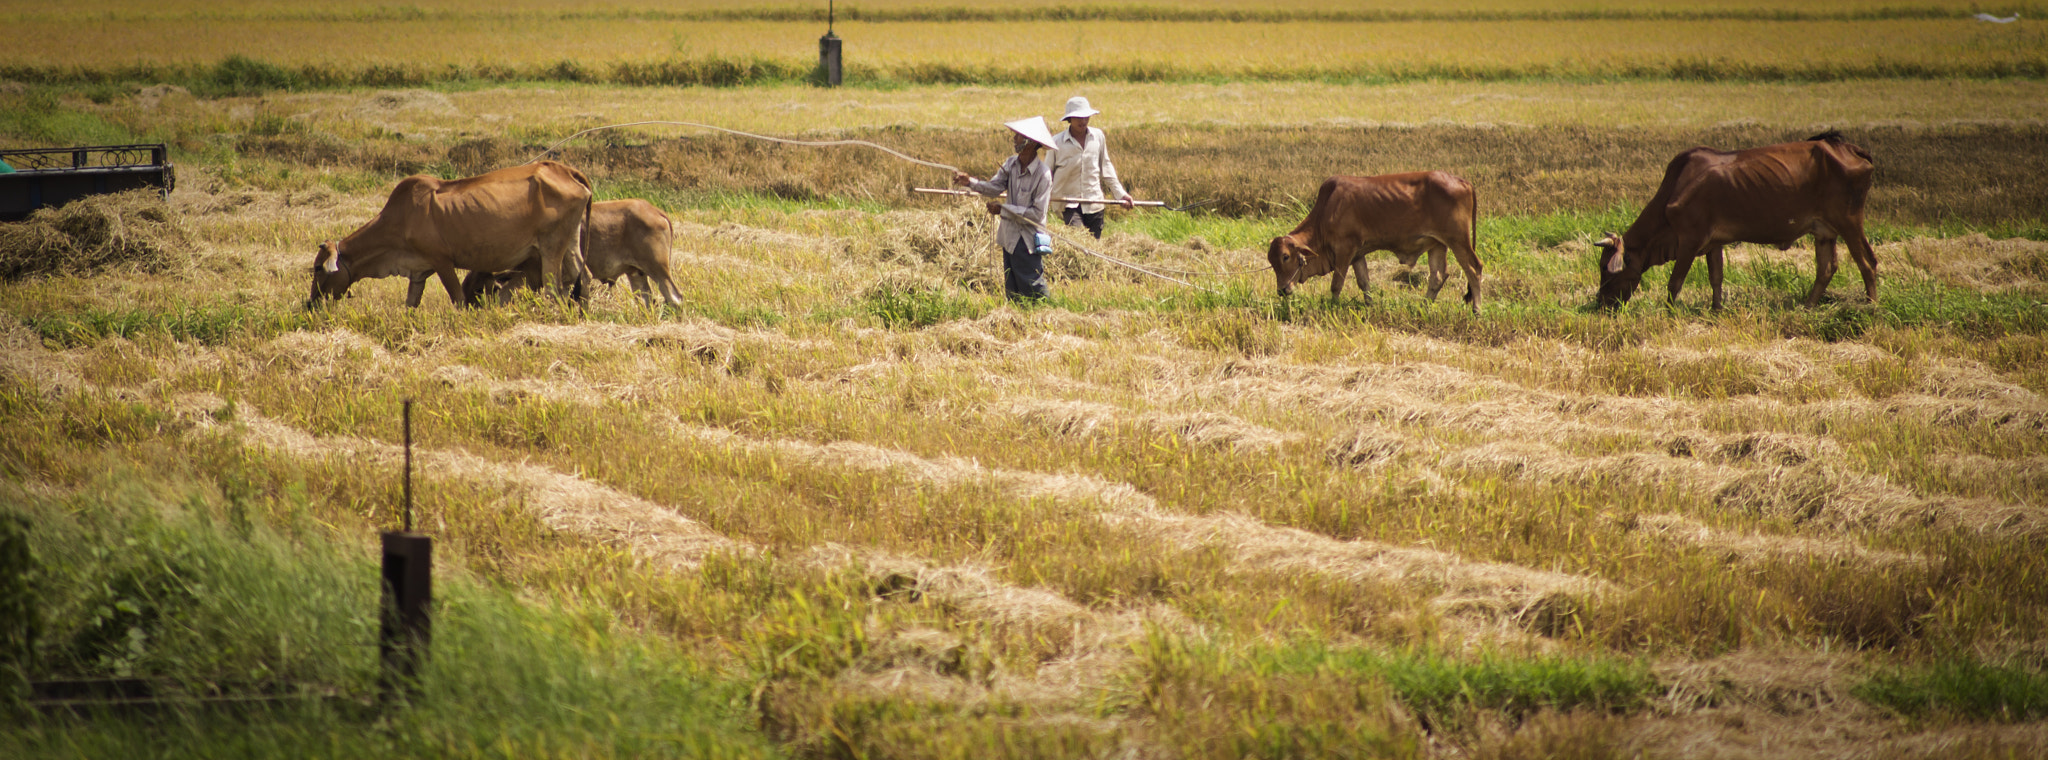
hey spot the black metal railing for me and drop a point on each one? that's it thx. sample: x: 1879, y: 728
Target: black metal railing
x: 95, y: 157
x: 43, y: 177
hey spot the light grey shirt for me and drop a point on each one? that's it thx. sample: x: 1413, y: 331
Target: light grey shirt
x: 1029, y: 189
x: 1083, y: 170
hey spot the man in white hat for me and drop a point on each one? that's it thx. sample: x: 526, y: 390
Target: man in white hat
x: 1081, y: 168
x: 1027, y: 181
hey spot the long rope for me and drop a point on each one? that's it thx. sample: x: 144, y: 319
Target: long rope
x: 551, y: 149
x: 811, y: 143
x: 1191, y: 273
x: 1113, y: 260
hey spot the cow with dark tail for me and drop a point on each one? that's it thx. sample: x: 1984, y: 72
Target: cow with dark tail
x: 1773, y: 195
x: 1409, y: 214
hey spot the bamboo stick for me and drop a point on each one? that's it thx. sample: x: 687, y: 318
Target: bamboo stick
x: 1062, y: 201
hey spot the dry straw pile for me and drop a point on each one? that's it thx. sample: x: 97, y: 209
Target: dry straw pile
x: 92, y: 234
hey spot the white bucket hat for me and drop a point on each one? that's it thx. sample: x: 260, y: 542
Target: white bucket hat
x: 1033, y: 128
x: 1078, y: 106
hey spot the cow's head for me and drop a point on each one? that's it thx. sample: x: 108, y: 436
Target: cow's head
x: 1293, y: 262
x: 1618, y: 275
x: 330, y: 275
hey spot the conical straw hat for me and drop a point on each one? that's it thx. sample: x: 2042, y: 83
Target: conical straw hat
x: 1032, y: 127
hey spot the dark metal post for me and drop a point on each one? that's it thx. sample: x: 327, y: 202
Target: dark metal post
x: 406, y: 625
x: 828, y: 52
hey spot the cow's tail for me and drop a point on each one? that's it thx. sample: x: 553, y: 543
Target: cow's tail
x: 668, y: 277
x: 1472, y: 237
x: 579, y: 290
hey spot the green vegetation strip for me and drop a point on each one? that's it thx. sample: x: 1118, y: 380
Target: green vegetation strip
x: 1440, y: 689
x: 1964, y: 688
x: 239, y: 75
x: 1143, y: 13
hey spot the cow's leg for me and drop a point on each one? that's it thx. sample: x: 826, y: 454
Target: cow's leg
x: 1468, y: 260
x: 1439, y: 270
x: 1358, y: 268
x: 1679, y: 269
x: 449, y: 281
x: 640, y: 286
x: 1824, y: 264
x: 1714, y: 261
x: 528, y: 273
x: 669, y: 292
x: 551, y: 262
x: 558, y: 265
x: 478, y: 285
x: 1865, y: 257
x: 1337, y: 271
x: 414, y: 288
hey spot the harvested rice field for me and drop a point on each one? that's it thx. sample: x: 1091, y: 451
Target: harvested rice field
x: 849, y: 502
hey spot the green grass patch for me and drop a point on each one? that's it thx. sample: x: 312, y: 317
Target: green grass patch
x: 1960, y: 688
x: 210, y: 324
x: 238, y: 75
x: 1440, y: 689
x: 901, y: 306
x: 39, y: 116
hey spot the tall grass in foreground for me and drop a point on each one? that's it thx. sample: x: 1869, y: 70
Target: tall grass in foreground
x: 140, y: 574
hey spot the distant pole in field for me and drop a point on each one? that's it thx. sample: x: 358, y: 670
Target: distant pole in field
x: 408, y: 464
x: 828, y: 51
x: 406, y: 622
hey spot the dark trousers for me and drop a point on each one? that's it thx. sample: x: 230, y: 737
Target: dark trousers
x: 1023, y: 272
x: 1074, y: 218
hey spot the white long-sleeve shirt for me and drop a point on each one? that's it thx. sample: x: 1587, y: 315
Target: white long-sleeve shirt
x: 1083, y: 170
x: 1030, y: 191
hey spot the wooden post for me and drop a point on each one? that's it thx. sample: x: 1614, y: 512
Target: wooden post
x: 406, y: 624
x: 828, y: 52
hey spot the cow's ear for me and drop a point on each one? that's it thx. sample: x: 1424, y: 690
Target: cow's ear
x: 1610, y: 245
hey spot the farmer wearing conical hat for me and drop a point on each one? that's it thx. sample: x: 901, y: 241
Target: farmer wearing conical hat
x: 1027, y: 182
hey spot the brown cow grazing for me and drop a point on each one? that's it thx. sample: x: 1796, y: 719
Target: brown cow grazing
x: 490, y: 222
x: 1773, y: 195
x: 630, y: 237
x: 1409, y: 214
